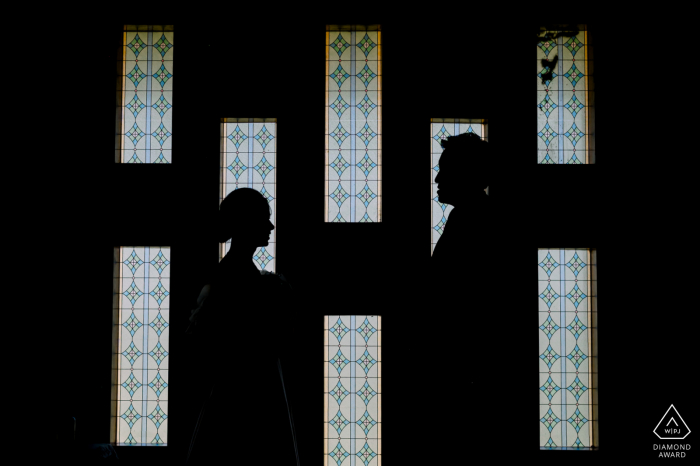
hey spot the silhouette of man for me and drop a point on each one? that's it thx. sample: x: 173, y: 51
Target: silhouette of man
x: 463, y: 274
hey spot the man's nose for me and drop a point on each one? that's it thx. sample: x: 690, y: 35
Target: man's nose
x: 272, y: 227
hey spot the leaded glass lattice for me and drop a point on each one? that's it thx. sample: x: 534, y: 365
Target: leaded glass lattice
x: 564, y: 97
x: 144, y: 121
x: 353, y: 124
x: 353, y: 390
x: 141, y: 339
x: 568, y: 368
x: 441, y: 128
x: 249, y: 160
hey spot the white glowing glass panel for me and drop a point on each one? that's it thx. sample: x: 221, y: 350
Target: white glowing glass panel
x: 441, y: 128
x: 249, y: 160
x: 145, y: 95
x: 564, y: 99
x: 353, y: 124
x: 568, y: 356
x: 353, y: 390
x: 141, y: 341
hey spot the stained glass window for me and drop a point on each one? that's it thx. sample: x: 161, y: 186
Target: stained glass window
x: 353, y: 124
x: 441, y: 128
x: 249, y: 160
x: 353, y: 390
x: 568, y: 360
x: 564, y: 97
x: 145, y: 95
x: 141, y: 339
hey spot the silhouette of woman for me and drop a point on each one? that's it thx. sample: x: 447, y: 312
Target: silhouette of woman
x: 243, y: 332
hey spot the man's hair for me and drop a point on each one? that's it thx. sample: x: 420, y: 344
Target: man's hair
x: 470, y: 151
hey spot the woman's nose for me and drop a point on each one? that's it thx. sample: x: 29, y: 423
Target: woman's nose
x: 272, y: 227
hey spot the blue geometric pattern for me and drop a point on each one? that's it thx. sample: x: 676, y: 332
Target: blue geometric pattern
x: 549, y: 356
x: 133, y: 293
x: 562, y: 77
x: 158, y: 324
x: 366, y: 195
x: 366, y: 330
x: 567, y: 376
x: 162, y: 75
x: 550, y: 388
x: 237, y: 137
x: 132, y: 324
x: 549, y: 295
x: 158, y: 353
x: 366, y: 454
x: 339, y: 134
x: 157, y: 416
x: 339, y: 454
x: 131, y: 353
x: 339, y: 361
x: 576, y: 296
x: 339, y: 393
x: 339, y: 105
x: 339, y: 330
x: 549, y: 264
x: 549, y: 327
x: 366, y: 134
x: 131, y: 384
x: 547, y: 134
x: 366, y: 361
x: 339, y: 195
x: 160, y: 262
x: 339, y: 164
x: 366, y: 75
x: 353, y: 403
x: 550, y: 420
x: 366, y: 423
x: 158, y: 384
x: 135, y: 105
x: 162, y: 105
x: 366, y: 106
x: 339, y: 76
x: 353, y: 71
x: 264, y: 137
x: 159, y: 293
x: 131, y: 416
x: 339, y: 422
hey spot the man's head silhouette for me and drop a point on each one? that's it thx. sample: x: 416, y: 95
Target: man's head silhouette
x: 465, y: 169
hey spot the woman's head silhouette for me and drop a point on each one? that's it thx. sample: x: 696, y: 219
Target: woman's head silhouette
x: 244, y: 217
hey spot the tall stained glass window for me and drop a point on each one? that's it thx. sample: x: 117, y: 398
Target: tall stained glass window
x: 564, y: 97
x: 249, y: 160
x: 353, y: 124
x: 141, y: 340
x: 568, y: 360
x: 441, y: 128
x: 353, y: 390
x: 145, y: 95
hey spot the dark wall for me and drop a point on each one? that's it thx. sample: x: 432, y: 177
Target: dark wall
x: 453, y: 64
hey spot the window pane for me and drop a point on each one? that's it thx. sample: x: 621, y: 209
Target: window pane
x: 141, y: 341
x: 249, y: 160
x: 353, y: 124
x: 441, y: 128
x: 568, y: 359
x: 353, y: 390
x: 564, y: 98
x: 145, y: 96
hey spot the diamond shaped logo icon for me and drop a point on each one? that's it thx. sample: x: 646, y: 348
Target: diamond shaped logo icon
x: 671, y: 426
